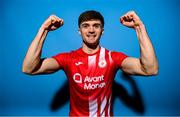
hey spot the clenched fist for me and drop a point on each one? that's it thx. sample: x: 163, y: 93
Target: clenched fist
x: 131, y: 20
x: 52, y: 23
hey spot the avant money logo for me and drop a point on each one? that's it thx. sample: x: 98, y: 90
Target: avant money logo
x: 90, y: 82
x: 77, y: 78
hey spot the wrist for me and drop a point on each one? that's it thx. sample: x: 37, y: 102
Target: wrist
x: 139, y: 25
x: 44, y: 28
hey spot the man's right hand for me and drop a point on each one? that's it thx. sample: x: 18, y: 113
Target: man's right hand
x: 33, y: 63
x: 52, y: 23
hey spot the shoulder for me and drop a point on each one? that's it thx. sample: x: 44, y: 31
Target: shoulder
x: 118, y: 57
x: 64, y: 58
x: 115, y: 53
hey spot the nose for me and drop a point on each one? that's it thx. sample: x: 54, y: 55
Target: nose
x: 91, y: 29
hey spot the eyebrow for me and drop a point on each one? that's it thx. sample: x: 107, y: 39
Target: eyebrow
x: 93, y: 24
x: 84, y: 24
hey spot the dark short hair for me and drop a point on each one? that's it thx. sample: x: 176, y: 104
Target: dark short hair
x: 90, y: 15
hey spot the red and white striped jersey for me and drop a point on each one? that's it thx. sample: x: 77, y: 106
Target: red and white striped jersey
x: 90, y: 79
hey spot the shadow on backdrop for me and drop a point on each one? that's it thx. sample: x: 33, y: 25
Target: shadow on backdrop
x: 61, y: 97
x: 133, y: 101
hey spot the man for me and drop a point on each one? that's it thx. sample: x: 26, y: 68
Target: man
x: 91, y: 69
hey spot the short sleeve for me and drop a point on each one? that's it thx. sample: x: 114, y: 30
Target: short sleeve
x: 118, y: 58
x: 62, y: 59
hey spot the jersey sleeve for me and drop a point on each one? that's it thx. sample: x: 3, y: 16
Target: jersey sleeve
x: 118, y: 58
x: 62, y: 59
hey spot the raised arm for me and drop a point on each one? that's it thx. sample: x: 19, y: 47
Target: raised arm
x: 33, y: 63
x: 147, y: 64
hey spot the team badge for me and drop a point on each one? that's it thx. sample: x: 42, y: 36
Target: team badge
x: 102, y: 63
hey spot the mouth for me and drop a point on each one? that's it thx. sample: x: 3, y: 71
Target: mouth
x: 91, y: 36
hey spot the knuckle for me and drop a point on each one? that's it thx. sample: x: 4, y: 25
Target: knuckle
x: 53, y: 15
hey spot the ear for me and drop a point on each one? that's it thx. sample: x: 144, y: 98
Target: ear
x: 79, y: 31
x: 102, y: 31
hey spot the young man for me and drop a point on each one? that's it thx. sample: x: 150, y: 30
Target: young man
x: 91, y: 69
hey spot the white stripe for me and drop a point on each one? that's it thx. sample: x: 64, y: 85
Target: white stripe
x: 110, y: 58
x: 109, y: 107
x: 102, y: 54
x: 92, y: 61
x: 102, y: 109
x: 102, y: 61
x: 93, y: 107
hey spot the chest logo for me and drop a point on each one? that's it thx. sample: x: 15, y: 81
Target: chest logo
x: 77, y: 78
x: 102, y: 63
x: 90, y: 83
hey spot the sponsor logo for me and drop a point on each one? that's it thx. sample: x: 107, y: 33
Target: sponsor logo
x: 78, y: 63
x: 77, y: 78
x: 94, y: 86
x: 90, y: 82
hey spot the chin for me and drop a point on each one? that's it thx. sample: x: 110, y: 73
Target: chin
x: 92, y: 44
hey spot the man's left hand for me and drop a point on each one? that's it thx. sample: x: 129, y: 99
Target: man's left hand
x: 131, y: 20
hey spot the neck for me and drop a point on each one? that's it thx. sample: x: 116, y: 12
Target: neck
x: 90, y: 50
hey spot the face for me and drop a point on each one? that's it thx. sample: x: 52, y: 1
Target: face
x: 91, y: 32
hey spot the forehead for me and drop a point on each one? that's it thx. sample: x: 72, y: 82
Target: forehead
x: 91, y: 22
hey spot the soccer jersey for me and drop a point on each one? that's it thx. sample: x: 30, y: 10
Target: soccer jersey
x: 90, y: 79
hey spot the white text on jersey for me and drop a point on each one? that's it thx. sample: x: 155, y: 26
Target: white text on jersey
x: 90, y: 82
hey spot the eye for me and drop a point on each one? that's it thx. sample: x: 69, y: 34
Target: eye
x: 84, y: 26
x: 97, y: 26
